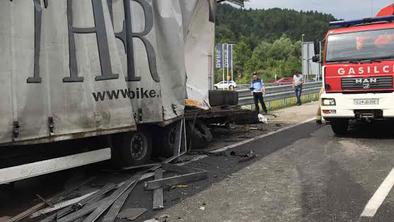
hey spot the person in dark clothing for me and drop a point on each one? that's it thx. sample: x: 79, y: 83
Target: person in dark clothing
x: 258, y: 89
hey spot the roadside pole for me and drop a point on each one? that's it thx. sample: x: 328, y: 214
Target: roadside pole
x: 224, y: 55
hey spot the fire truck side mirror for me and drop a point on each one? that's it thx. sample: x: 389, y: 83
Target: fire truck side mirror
x: 316, y: 58
x: 316, y: 47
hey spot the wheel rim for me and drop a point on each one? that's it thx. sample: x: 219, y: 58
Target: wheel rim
x: 138, y: 146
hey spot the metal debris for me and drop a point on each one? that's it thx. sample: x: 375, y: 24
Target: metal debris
x: 43, y: 200
x: 175, y: 180
x: 111, y: 198
x: 131, y: 183
x: 158, y: 202
x: 131, y: 213
x: 251, y: 155
x: 56, y: 198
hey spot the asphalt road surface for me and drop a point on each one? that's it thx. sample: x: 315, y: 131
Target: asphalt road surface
x: 303, y: 173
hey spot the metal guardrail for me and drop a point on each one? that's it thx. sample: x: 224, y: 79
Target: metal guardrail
x: 278, y: 92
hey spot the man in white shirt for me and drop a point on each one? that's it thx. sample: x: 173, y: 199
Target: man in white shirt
x: 298, y: 81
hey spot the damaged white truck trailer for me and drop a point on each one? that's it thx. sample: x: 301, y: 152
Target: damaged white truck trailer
x: 83, y: 81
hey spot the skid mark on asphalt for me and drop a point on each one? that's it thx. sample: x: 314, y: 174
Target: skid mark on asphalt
x: 329, y: 192
x: 355, y: 148
x: 380, y: 195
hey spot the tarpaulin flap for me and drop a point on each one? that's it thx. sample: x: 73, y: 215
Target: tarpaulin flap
x: 151, y: 44
x: 199, y: 54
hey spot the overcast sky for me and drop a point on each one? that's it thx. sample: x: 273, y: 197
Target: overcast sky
x: 345, y: 9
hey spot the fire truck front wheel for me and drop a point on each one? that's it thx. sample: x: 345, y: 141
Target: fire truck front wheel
x: 339, y: 126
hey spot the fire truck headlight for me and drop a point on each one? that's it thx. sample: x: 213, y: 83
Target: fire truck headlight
x: 328, y: 102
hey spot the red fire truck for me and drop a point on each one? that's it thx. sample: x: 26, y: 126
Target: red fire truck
x: 358, y: 70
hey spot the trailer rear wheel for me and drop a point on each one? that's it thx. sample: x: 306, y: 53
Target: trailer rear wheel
x: 339, y: 126
x: 165, y: 140
x: 131, y: 148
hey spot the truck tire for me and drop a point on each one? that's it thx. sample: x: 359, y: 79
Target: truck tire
x: 165, y: 142
x: 216, y: 98
x: 129, y: 149
x: 339, y: 126
x: 231, y: 98
x: 199, y: 135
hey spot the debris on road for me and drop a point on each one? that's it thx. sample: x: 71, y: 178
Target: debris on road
x: 44, y: 201
x: 151, y: 220
x: 244, y: 156
x: 174, y: 180
x: 131, y: 214
x: 251, y: 155
x: 59, y: 197
x: 4, y: 219
x: 72, y: 203
x: 181, y: 186
x: 262, y: 118
x: 158, y: 201
x: 108, y: 201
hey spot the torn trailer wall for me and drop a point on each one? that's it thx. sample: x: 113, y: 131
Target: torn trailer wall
x: 151, y: 42
x: 199, y: 51
x: 71, y: 69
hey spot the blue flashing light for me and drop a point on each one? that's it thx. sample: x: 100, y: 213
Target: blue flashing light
x: 362, y: 21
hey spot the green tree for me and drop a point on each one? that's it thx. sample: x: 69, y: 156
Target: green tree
x: 267, y: 40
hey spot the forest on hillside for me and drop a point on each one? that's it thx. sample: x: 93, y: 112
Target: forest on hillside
x: 267, y: 40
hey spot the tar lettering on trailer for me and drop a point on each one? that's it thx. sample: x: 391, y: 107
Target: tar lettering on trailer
x: 102, y: 43
x: 126, y: 36
x: 37, y: 42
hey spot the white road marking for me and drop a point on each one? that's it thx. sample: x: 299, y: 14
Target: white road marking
x: 380, y: 195
x: 259, y: 137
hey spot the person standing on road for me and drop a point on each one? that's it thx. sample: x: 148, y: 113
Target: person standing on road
x: 258, y: 89
x: 298, y: 81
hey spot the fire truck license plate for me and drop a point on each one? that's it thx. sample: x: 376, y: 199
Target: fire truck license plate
x: 366, y: 101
